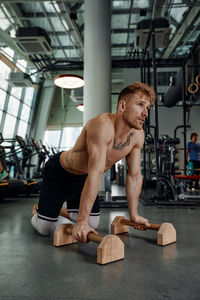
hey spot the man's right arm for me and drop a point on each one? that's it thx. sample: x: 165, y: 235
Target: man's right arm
x: 97, y: 141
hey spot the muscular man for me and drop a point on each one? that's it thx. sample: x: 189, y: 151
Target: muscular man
x: 74, y: 176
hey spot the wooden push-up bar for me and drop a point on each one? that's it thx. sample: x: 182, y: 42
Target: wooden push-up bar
x: 110, y: 248
x: 166, y: 233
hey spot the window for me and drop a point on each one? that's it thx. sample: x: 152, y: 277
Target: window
x: 25, y: 112
x: 69, y: 137
x: 16, y: 91
x: 13, y: 106
x: 4, y: 84
x: 16, y: 103
x: 9, y: 126
x: 52, y: 138
x: 1, y: 113
x: 4, y: 23
x: 22, y: 129
x: 8, y: 52
x: 5, y: 70
x: 21, y: 64
x: 2, y: 98
x: 28, y: 97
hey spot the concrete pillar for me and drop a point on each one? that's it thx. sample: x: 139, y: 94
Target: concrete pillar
x: 97, y: 58
x: 44, y: 109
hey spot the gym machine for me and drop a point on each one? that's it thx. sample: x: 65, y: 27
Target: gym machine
x: 171, y: 188
x: 26, y: 165
x: 10, y: 187
x: 42, y: 153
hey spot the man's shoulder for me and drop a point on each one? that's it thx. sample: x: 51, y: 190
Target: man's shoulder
x: 139, y: 135
x: 138, y: 139
x: 103, y: 116
x: 102, y: 120
x: 100, y: 127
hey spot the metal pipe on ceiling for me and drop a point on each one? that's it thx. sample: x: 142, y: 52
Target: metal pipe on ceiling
x: 129, y: 23
x: 73, y: 26
x: 51, y: 25
x: 23, y: 1
x: 58, y: 15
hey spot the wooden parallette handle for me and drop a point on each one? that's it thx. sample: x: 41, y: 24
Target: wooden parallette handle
x: 130, y: 223
x: 91, y: 236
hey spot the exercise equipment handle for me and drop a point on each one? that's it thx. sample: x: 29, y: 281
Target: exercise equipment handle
x: 130, y: 223
x: 91, y: 236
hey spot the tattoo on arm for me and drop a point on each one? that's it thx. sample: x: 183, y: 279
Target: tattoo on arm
x: 120, y: 146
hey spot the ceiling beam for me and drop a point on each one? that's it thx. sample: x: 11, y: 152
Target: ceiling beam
x: 9, y: 63
x: 52, y: 27
x: 31, y: 15
x: 51, y: 14
x: 70, y: 47
x: 129, y: 63
x: 182, y: 31
x: 117, y: 62
x: 15, y: 14
x: 173, y: 21
x: 74, y: 30
x: 158, y: 9
x: 123, y: 30
x: 120, y: 11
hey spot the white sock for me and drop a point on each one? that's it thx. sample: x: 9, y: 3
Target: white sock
x: 43, y: 227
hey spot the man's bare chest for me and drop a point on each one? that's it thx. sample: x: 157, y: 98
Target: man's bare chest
x: 119, y: 149
x: 114, y: 155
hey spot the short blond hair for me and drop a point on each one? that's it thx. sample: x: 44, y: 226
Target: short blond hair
x: 138, y: 87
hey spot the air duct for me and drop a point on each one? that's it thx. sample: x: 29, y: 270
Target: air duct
x: 76, y: 95
x: 33, y: 40
x: 162, y: 33
x: 19, y: 79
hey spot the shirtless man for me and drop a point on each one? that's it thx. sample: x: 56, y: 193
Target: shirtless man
x: 74, y: 176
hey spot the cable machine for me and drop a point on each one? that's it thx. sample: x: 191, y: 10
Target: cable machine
x: 170, y: 188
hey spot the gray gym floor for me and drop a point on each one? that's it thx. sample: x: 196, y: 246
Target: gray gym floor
x: 32, y: 268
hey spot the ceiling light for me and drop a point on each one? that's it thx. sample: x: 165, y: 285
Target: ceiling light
x: 69, y: 81
x: 80, y: 107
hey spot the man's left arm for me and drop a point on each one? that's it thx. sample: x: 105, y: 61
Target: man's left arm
x: 134, y: 182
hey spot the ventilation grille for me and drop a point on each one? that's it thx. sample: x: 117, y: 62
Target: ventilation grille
x: 77, y: 95
x: 33, y: 40
x: 33, y: 45
x: 162, y: 33
x: 161, y: 37
x: 19, y: 80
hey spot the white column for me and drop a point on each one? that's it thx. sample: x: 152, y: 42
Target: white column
x: 97, y: 58
x: 44, y: 109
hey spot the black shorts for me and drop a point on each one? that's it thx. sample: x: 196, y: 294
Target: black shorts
x: 59, y: 186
